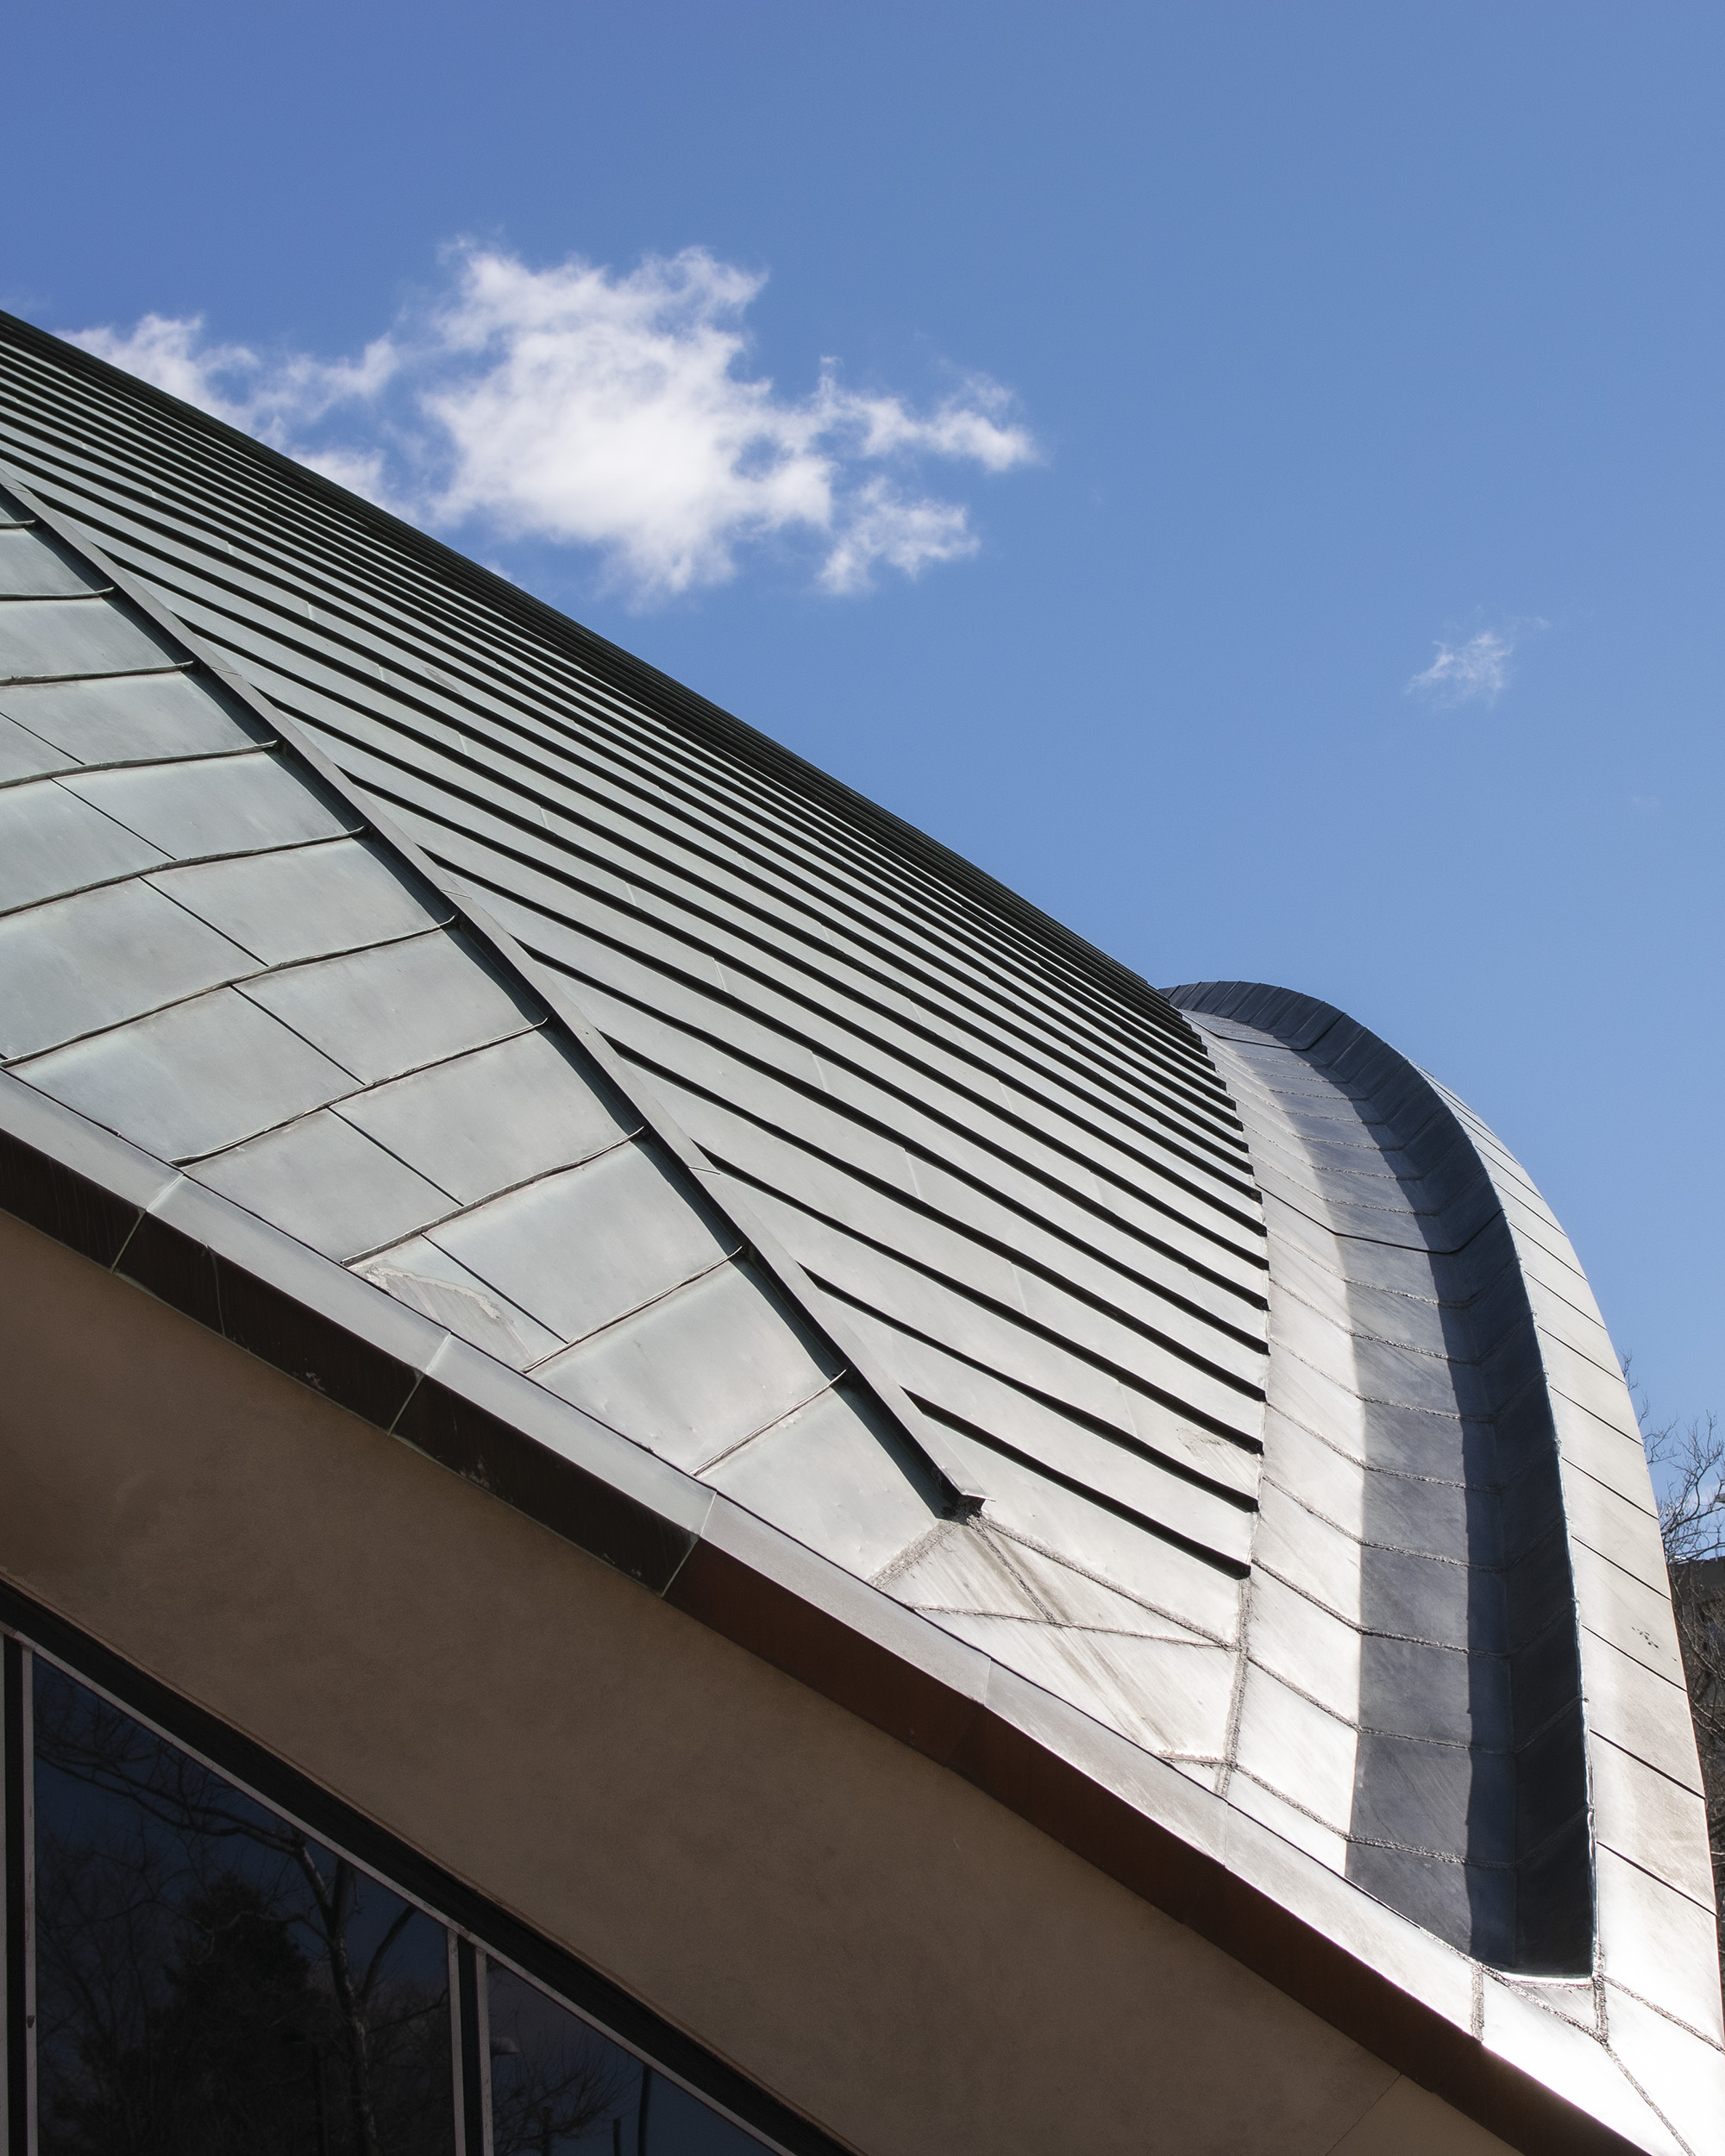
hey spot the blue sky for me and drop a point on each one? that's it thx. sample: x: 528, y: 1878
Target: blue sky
x: 1196, y: 380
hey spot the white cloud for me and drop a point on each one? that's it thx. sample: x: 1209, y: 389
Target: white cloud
x: 267, y: 399
x: 582, y: 407
x: 1476, y: 672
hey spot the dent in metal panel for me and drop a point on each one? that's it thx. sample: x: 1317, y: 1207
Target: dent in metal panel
x: 579, y: 1248
x: 130, y: 717
x: 698, y: 1373
x: 430, y: 1280
x: 380, y: 1012
x: 307, y: 902
x: 27, y: 756
x: 76, y: 636
x: 192, y: 1080
x: 839, y: 1478
x: 33, y: 567
x: 77, y: 965
x: 221, y: 805
x: 486, y: 1121
x: 324, y: 1181
x: 51, y: 842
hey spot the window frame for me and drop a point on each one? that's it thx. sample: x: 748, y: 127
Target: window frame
x: 477, y: 1932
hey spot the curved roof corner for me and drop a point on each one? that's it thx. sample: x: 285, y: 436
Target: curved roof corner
x: 1459, y: 1532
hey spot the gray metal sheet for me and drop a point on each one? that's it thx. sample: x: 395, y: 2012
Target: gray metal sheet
x: 826, y: 967
x: 128, y: 718
x: 1131, y: 1558
x: 77, y: 965
x: 486, y: 1121
x: 696, y: 1373
x: 430, y: 1280
x: 971, y: 1221
x: 27, y: 756
x: 32, y: 566
x: 668, y: 1040
x: 782, y: 1030
x: 1171, y: 1697
x: 76, y: 636
x: 380, y: 1012
x: 1038, y: 1427
x: 846, y: 963
x: 306, y: 902
x: 192, y: 1080
x: 218, y: 804
x: 838, y: 1477
x: 324, y: 1181
x: 51, y: 842
x: 995, y: 1336
x: 579, y: 1249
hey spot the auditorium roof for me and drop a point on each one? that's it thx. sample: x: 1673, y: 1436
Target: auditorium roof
x: 436, y: 1001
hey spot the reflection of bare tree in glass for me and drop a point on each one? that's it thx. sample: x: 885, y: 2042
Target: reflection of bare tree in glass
x: 553, y: 2079
x: 181, y: 2011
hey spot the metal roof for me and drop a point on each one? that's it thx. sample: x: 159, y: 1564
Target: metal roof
x: 1221, y: 1375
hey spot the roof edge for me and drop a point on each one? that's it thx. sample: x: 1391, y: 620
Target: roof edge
x: 1357, y: 1965
x: 625, y: 668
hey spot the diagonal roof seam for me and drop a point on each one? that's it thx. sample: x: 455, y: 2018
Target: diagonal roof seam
x: 949, y: 1470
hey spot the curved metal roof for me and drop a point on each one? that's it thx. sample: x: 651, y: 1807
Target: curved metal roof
x: 1196, y: 1359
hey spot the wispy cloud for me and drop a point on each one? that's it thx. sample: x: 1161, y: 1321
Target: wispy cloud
x: 587, y: 408
x: 1476, y: 671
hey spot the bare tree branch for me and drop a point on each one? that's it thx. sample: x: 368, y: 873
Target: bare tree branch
x: 1688, y: 1464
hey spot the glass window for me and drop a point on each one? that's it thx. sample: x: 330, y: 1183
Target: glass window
x: 557, y: 2086
x: 209, y: 1981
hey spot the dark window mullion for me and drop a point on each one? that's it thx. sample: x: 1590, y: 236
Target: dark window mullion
x: 472, y: 2049
x: 20, y: 2054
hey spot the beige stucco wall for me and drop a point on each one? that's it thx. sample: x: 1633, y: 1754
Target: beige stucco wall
x: 885, y: 1947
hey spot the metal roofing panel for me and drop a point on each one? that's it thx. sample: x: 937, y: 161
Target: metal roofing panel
x: 1046, y: 1429
x: 192, y: 1080
x: 431, y: 1281
x: 500, y: 1116
x: 817, y: 1475
x: 27, y: 756
x: 76, y: 636
x: 216, y: 804
x: 381, y: 1012
x: 33, y: 567
x: 76, y: 964
x: 51, y: 842
x: 707, y: 909
x: 327, y: 1183
x: 579, y: 1248
x: 128, y: 718
x: 1067, y: 1525
x: 1172, y: 1697
x: 697, y: 1372
x: 663, y: 1021
x: 307, y: 902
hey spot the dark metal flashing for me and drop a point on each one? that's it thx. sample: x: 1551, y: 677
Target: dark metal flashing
x: 1093, y: 1793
